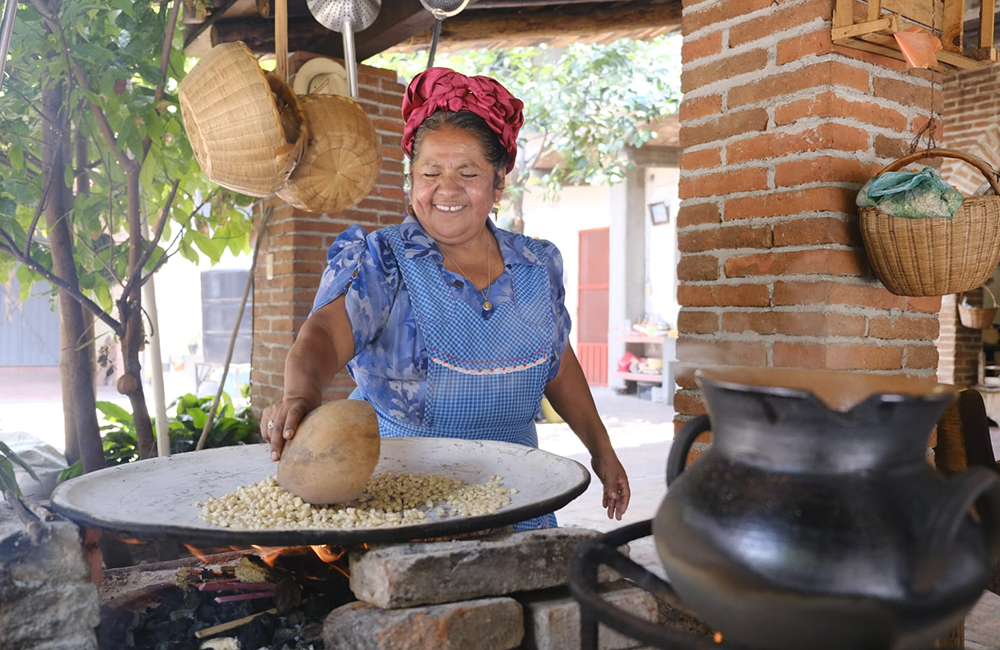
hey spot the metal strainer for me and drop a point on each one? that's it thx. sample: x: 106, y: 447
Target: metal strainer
x: 441, y: 9
x: 346, y: 16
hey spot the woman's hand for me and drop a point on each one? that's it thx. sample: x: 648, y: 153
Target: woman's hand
x: 616, y: 491
x: 279, y: 422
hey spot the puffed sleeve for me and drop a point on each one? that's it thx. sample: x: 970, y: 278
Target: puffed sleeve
x: 560, y: 316
x: 361, y: 268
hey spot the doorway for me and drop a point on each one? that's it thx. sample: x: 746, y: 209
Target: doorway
x: 592, y: 310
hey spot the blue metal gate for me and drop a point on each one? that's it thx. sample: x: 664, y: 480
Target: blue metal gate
x: 29, y: 331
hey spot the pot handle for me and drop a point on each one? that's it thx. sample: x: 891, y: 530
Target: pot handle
x: 682, y: 445
x: 976, y: 485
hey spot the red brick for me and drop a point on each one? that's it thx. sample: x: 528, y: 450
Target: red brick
x: 705, y: 46
x: 891, y: 147
x: 692, y: 21
x: 713, y: 351
x: 837, y: 357
x: 830, y: 104
x: 725, y: 237
x: 903, y: 92
x: 827, y: 135
x: 823, y: 169
x: 799, y: 47
x: 692, y: 109
x: 706, y: 158
x: 699, y: 213
x: 817, y: 230
x: 688, y: 404
x: 925, y: 356
x: 775, y: 204
x: 929, y: 305
x: 738, y: 64
x: 794, y: 323
x: 778, y: 21
x: 903, y: 328
x: 698, y: 267
x: 723, y: 295
x: 723, y: 127
x: 697, y: 322
x: 835, y: 293
x: 811, y: 76
x: 819, y: 261
x: 727, y: 182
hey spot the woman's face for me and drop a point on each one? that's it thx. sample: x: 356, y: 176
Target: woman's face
x: 452, y: 191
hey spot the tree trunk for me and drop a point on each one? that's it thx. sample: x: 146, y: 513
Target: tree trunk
x: 77, y: 373
x: 69, y: 421
x: 131, y: 318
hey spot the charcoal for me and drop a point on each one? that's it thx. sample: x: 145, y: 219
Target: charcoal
x: 257, y: 633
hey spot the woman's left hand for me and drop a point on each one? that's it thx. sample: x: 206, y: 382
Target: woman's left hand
x: 616, y: 491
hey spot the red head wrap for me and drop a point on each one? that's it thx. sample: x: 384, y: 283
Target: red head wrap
x: 441, y: 89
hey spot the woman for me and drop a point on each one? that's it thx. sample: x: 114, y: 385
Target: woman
x: 449, y: 326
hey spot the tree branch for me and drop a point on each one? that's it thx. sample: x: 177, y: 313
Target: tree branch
x: 168, y: 39
x: 11, y: 249
x: 135, y: 274
x: 38, y: 214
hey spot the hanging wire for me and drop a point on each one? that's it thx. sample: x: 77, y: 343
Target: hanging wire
x: 929, y: 129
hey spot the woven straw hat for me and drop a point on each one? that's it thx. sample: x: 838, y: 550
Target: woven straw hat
x: 321, y: 76
x: 342, y: 160
x: 246, y: 127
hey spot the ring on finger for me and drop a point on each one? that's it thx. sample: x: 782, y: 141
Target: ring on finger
x: 270, y: 424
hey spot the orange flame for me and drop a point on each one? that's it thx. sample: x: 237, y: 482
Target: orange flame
x: 717, y: 637
x: 327, y: 554
x: 193, y: 550
x: 131, y: 540
x: 270, y: 553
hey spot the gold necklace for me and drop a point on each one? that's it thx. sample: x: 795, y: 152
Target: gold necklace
x: 487, y: 305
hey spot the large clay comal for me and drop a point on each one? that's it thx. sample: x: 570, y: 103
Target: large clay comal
x: 333, y: 453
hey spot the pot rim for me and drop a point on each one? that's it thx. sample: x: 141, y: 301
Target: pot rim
x: 838, y: 390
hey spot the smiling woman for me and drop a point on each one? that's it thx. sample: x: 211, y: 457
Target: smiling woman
x: 451, y: 327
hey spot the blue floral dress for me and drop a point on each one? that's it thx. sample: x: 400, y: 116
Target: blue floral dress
x: 428, y: 357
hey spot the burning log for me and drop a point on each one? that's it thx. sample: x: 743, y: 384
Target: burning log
x: 236, y: 585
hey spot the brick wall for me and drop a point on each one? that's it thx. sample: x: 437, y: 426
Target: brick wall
x: 298, y: 240
x: 971, y: 125
x: 779, y: 129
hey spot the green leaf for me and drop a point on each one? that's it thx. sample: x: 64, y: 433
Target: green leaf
x: 9, y: 453
x: 73, y: 471
x: 125, y: 6
x: 16, y: 155
x: 103, y: 293
x: 198, y: 418
x: 7, y: 479
x: 7, y: 206
x: 147, y: 173
x: 114, y: 412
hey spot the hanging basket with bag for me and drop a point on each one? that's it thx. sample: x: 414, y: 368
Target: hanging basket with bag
x: 977, y: 318
x: 935, y: 256
x: 246, y: 127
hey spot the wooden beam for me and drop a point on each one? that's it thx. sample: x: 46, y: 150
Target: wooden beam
x: 951, y: 31
x: 258, y: 34
x: 987, y: 18
x: 577, y: 22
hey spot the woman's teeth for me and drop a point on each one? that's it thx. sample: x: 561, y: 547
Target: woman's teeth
x: 449, y: 208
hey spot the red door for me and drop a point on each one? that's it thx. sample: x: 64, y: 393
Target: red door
x: 592, y: 316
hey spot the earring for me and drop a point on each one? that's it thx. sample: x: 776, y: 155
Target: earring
x: 496, y: 212
x: 410, y: 211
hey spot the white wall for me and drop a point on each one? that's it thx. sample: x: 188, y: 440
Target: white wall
x: 560, y: 221
x: 661, y: 246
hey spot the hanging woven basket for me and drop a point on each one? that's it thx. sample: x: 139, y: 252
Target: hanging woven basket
x: 342, y: 160
x: 246, y: 126
x: 978, y: 318
x: 935, y: 256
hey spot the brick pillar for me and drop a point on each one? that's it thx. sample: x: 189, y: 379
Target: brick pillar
x: 298, y: 241
x: 971, y: 125
x: 779, y: 129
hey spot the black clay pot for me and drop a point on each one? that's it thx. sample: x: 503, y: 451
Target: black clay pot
x: 815, y: 522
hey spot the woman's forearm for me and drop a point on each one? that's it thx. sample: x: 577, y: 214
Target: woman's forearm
x: 570, y: 396
x: 323, y: 347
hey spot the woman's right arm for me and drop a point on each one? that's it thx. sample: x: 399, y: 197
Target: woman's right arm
x: 323, y: 347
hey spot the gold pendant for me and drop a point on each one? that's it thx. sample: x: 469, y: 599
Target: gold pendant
x: 487, y: 305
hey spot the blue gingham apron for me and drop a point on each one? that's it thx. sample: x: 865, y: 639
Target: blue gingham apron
x: 486, y: 371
